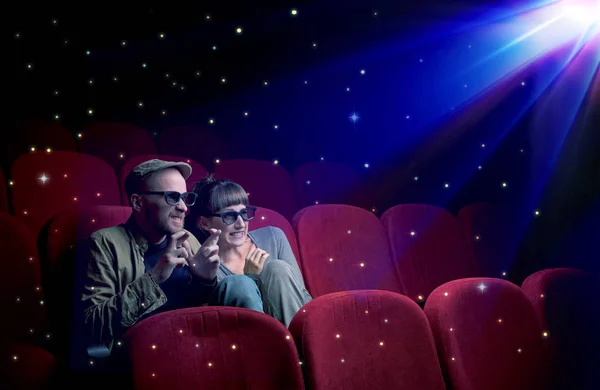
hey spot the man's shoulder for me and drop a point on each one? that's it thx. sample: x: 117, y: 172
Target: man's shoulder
x: 118, y: 232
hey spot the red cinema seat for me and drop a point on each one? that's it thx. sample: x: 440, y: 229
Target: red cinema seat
x: 265, y: 217
x: 322, y: 182
x: 493, y: 234
x: 343, y: 248
x: 27, y: 367
x: 38, y: 134
x: 64, y: 232
x: 115, y: 142
x: 487, y: 336
x: 213, y: 348
x: 22, y: 303
x: 566, y: 303
x: 48, y: 183
x: 268, y: 184
x: 427, y: 247
x: 22, y: 297
x: 3, y: 194
x: 198, y: 143
x: 366, y: 339
x: 198, y: 171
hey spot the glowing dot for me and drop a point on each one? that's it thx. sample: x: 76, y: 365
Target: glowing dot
x: 233, y: 346
x: 413, y: 233
x: 362, y: 264
x: 337, y: 336
x: 316, y: 202
x: 211, y: 121
x: 246, y: 113
x: 31, y: 330
x: 167, y: 75
x: 18, y: 299
x: 385, y: 320
x: 420, y: 297
x: 180, y: 331
x: 276, y: 127
x: 197, y: 345
x: 523, y: 83
x: 214, y: 48
x: 90, y: 111
x: 477, y: 238
x: 362, y: 71
x: 445, y: 294
x: 537, y: 213
x: 416, y: 178
x: 349, y: 232
x: 482, y: 146
x: 56, y: 117
x: 217, y: 161
x: 56, y: 92
x: 503, y: 273
x: 266, y: 83
x: 504, y: 184
x: 223, y: 80
x: 42, y: 302
x: 300, y: 363
x: 375, y: 13
x: 140, y: 104
x: 294, y: 12
x: 446, y: 185
x: 32, y: 148
x: 366, y: 312
x: 143, y: 304
x: 314, y: 45
x: 153, y: 346
x: 30, y: 258
x: 263, y: 217
x: 25, y: 212
x: 331, y: 259
x: 519, y: 350
x: 91, y: 362
x: 342, y: 360
x: 453, y: 359
x: 37, y: 288
x: 451, y: 329
x: 44, y: 178
x: 421, y: 60
x: 482, y: 287
x: 239, y: 30
x: 65, y: 175
x: 208, y: 17
x: 54, y: 22
x: 480, y: 167
x: 367, y: 165
x: 499, y: 320
x: 209, y: 364
x: 91, y: 81
x: 347, y: 89
x: 153, y: 375
x: 163, y: 112
x: 29, y: 66
x: 15, y: 358
x: 17, y: 35
x: 11, y: 183
x: 123, y: 43
x: 541, y: 295
x: 161, y: 36
x: 119, y: 343
x: 381, y: 343
x: 287, y: 337
x: 545, y: 334
x: 276, y: 162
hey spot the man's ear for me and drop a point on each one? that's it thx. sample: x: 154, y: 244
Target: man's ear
x: 136, y: 202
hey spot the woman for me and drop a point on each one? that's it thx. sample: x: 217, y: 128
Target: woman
x: 263, y: 256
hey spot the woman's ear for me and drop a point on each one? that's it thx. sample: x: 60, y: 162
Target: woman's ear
x: 203, y: 223
x: 136, y: 202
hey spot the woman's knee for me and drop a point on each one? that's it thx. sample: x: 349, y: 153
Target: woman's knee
x: 278, y: 269
x: 239, y: 291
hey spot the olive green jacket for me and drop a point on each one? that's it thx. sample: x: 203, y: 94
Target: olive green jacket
x: 118, y: 291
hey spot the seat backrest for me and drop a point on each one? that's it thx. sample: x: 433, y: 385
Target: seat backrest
x: 198, y: 171
x: 213, y: 348
x: 566, y: 303
x: 196, y: 142
x: 64, y: 232
x: 268, y: 184
x: 366, y: 339
x: 266, y: 217
x: 487, y: 336
x: 492, y: 233
x: 3, y: 194
x: 48, y: 183
x: 427, y: 246
x: 39, y: 134
x: 115, y: 142
x: 343, y: 248
x: 323, y: 182
x: 21, y: 294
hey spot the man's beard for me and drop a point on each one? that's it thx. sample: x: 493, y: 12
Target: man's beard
x: 162, y: 226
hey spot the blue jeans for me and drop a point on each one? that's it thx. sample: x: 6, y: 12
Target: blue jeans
x: 238, y: 291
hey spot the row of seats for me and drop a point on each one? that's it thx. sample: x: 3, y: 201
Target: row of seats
x: 42, y: 183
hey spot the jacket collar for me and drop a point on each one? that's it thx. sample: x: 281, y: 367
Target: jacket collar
x: 136, y: 232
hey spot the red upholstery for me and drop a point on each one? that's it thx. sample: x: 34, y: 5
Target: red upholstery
x: 265, y: 217
x: 487, y: 336
x: 213, y: 348
x: 322, y: 182
x: 3, y: 194
x: 195, y: 142
x: 64, y: 232
x: 116, y: 142
x: 566, y: 303
x: 427, y: 246
x: 268, y: 184
x: 340, y: 338
x: 343, y: 248
x: 38, y: 133
x: 21, y: 295
x: 198, y: 171
x: 29, y: 367
x: 74, y: 180
x: 493, y: 234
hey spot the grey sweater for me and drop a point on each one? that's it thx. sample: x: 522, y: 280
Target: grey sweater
x: 272, y: 240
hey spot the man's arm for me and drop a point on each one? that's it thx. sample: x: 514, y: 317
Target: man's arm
x: 107, y: 313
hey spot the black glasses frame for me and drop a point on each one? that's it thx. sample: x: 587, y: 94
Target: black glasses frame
x: 237, y: 214
x: 179, y: 196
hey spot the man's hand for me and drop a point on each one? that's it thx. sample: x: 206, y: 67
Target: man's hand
x: 255, y: 259
x: 205, y: 263
x: 174, y: 257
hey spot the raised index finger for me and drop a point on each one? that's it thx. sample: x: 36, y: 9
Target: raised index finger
x: 175, y: 238
x: 213, y: 238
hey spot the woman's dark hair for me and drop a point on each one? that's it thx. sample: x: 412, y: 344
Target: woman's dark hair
x: 213, y: 195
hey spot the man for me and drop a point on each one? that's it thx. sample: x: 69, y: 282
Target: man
x: 151, y: 264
